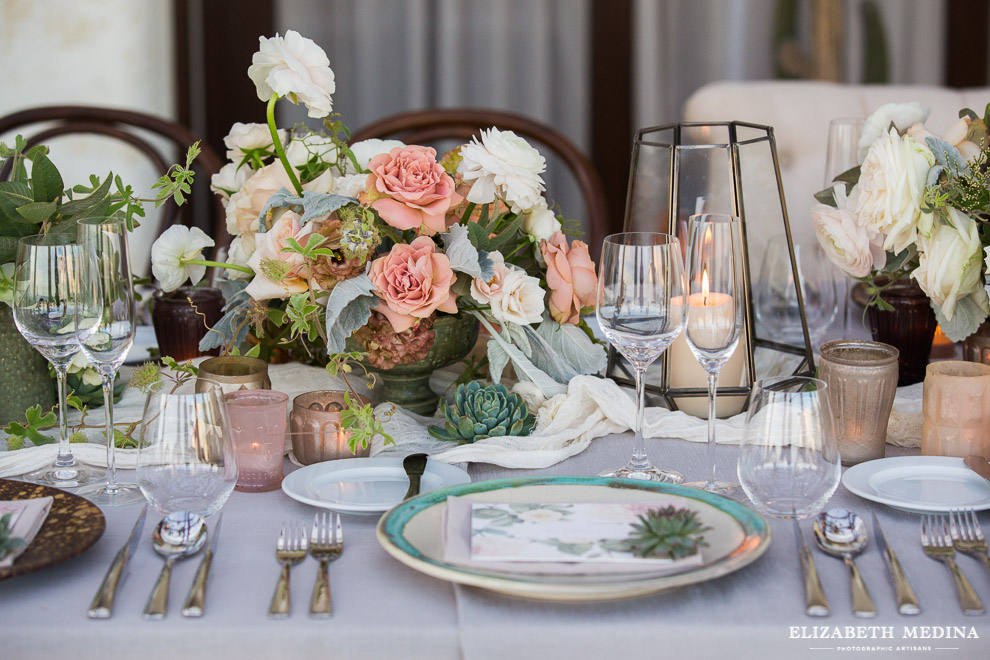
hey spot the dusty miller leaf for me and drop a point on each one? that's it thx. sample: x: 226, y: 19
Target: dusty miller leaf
x: 969, y: 314
x: 348, y: 308
x: 464, y: 256
x: 524, y: 367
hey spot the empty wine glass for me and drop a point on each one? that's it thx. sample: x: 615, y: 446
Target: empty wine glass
x: 789, y: 463
x: 186, y: 460
x: 46, y: 292
x: 715, y: 307
x: 641, y: 311
x: 106, y: 313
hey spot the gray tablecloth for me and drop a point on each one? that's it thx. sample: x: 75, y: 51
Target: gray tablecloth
x: 385, y: 610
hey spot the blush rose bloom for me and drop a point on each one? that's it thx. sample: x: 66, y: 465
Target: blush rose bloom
x: 410, y: 189
x: 244, y: 206
x: 570, y: 276
x: 520, y: 300
x: 413, y: 281
x: 269, y: 248
x: 486, y: 291
x: 956, y: 136
x: 846, y: 242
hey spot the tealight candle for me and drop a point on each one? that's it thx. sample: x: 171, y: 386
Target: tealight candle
x: 257, y: 420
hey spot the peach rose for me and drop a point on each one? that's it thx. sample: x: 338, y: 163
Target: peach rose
x: 570, y: 276
x: 413, y: 281
x: 245, y: 205
x: 410, y: 190
x: 269, y: 248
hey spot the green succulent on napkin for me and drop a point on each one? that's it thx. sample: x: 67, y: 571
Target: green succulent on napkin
x: 667, y: 533
x: 8, y: 542
x: 480, y: 412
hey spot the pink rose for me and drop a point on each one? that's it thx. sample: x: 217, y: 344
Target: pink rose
x: 570, y: 276
x: 413, y: 281
x: 410, y: 190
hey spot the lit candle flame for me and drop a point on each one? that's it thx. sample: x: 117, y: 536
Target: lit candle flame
x: 704, y: 286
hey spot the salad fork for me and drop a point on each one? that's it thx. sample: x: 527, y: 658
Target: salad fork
x: 967, y: 537
x: 936, y: 541
x: 326, y: 543
x: 290, y: 549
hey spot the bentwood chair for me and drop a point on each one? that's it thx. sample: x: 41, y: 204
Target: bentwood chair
x: 461, y: 124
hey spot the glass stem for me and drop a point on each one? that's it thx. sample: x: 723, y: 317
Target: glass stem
x: 712, y: 394
x: 64, y: 458
x: 112, y: 486
x: 639, y: 458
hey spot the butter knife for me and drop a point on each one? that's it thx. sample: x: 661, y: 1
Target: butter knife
x: 102, y: 605
x: 197, y: 592
x: 907, y: 602
x: 815, y: 602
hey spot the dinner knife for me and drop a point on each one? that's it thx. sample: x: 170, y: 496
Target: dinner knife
x: 907, y: 602
x: 102, y: 605
x: 197, y: 592
x: 815, y: 602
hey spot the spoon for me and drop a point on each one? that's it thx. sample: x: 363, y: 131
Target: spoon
x: 415, y: 466
x: 177, y: 536
x: 842, y: 534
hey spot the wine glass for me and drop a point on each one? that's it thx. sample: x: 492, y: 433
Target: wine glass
x: 106, y: 313
x: 46, y: 291
x: 715, y: 305
x: 641, y: 311
x: 789, y: 463
x: 842, y: 155
x: 186, y: 460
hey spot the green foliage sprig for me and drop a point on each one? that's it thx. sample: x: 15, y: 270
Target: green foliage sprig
x: 8, y: 542
x: 360, y: 421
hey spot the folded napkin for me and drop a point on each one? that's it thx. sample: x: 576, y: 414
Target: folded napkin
x: 538, y: 542
x: 27, y: 517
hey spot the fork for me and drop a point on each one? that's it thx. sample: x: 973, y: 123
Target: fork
x: 967, y: 537
x: 936, y: 541
x: 326, y: 543
x: 290, y: 549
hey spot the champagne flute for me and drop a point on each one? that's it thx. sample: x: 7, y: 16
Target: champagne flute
x: 715, y: 305
x: 641, y: 311
x: 842, y: 155
x: 46, y: 291
x: 106, y: 312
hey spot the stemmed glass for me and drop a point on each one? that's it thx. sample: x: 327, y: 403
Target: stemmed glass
x: 789, y: 463
x: 716, y: 302
x: 106, y: 316
x: 641, y: 311
x: 46, y: 292
x: 841, y: 156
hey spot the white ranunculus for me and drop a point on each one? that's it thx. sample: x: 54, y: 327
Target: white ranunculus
x: 891, y: 185
x: 350, y: 185
x: 901, y: 115
x: 484, y: 292
x: 81, y: 365
x: 540, y: 222
x: 521, y: 300
x: 365, y: 150
x: 241, y: 249
x: 301, y: 149
x: 503, y: 164
x: 244, y: 138
x: 177, y: 244
x: 296, y: 68
x: 7, y: 282
x: 229, y: 180
x: 949, y: 262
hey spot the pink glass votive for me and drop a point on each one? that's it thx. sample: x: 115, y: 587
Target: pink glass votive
x: 257, y: 421
x: 957, y: 409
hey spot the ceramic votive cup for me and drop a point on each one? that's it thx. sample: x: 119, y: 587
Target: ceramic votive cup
x: 957, y: 409
x: 257, y: 421
x: 315, y: 427
x: 232, y: 373
x: 862, y: 381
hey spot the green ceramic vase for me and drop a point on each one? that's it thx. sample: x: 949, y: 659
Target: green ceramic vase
x: 24, y: 377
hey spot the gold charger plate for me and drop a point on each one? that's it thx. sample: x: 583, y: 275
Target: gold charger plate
x: 72, y: 525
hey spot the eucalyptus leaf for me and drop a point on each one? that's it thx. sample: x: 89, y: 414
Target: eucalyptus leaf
x: 348, y: 308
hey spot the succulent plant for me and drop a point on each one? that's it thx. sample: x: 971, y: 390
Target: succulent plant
x: 387, y: 348
x: 480, y: 412
x: 8, y: 542
x: 667, y: 533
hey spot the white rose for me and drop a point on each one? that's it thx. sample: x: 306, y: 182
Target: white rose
x: 540, y: 222
x: 486, y: 291
x: 244, y: 138
x: 241, y: 249
x: 949, y: 262
x: 891, y: 185
x: 176, y: 245
x: 350, y: 185
x: 503, y: 164
x: 229, y: 180
x: 300, y: 150
x: 901, y: 115
x: 846, y: 242
x: 365, y: 150
x: 296, y: 68
x: 521, y: 300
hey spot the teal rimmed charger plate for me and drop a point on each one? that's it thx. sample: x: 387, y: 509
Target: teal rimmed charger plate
x: 412, y: 533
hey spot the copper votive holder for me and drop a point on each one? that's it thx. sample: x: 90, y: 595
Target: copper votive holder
x: 316, y: 430
x: 232, y: 373
x: 957, y: 409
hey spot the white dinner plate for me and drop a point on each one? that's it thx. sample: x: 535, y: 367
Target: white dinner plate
x: 919, y: 484
x: 364, y: 485
x: 144, y: 339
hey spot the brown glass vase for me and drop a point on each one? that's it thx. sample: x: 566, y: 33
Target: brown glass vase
x: 910, y: 328
x: 179, y: 325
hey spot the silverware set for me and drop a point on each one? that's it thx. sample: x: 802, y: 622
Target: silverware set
x: 842, y: 534
x: 325, y: 543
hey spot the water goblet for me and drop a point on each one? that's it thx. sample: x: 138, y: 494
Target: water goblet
x: 106, y: 316
x: 715, y: 304
x: 46, y: 293
x: 640, y: 309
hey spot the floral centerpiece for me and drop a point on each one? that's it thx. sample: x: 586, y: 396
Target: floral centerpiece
x: 374, y: 242
x: 918, y: 207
